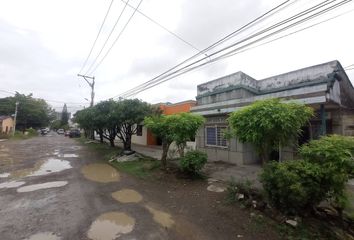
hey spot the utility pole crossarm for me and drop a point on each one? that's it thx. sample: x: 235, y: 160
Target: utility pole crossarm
x: 92, y: 86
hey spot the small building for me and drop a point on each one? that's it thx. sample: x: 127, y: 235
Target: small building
x: 6, y: 125
x: 145, y: 137
x: 325, y: 87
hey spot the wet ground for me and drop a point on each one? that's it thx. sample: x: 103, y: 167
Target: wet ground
x: 51, y: 187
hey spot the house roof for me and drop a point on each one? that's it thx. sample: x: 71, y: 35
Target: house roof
x: 3, y: 117
x: 309, y: 76
x: 323, y: 83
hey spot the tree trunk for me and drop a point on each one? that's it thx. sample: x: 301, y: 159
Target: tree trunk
x: 181, y: 148
x: 100, y: 132
x: 111, y: 142
x: 127, y: 143
x: 165, y: 147
x: 280, y: 153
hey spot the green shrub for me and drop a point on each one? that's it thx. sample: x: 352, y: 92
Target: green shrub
x: 193, y: 162
x: 334, y: 154
x: 293, y: 186
x: 32, y: 132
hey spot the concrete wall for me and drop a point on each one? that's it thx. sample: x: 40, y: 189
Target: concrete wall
x: 141, y: 140
x: 8, y: 124
x: 235, y: 152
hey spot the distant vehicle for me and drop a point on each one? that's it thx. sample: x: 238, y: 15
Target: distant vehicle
x: 60, y: 131
x: 66, y: 133
x: 74, y: 133
x: 43, y: 131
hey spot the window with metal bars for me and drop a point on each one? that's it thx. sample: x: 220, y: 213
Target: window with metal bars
x: 215, y: 136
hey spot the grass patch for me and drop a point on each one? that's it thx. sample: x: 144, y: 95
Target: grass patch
x: 19, y: 135
x: 103, y: 149
x: 142, y: 168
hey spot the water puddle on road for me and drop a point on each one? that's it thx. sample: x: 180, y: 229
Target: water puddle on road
x: 43, y: 168
x: 110, y: 226
x: 4, y: 175
x: 70, y: 155
x: 44, y: 236
x: 39, y: 186
x: 127, y: 196
x: 11, y: 184
x: 162, y: 218
x: 100, y: 172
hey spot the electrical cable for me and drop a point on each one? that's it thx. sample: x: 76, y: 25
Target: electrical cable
x: 242, y: 28
x: 305, y: 19
x: 107, y: 39
x: 98, y: 34
x: 117, y: 38
x: 261, y: 32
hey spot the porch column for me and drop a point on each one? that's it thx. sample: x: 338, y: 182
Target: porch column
x: 323, y: 120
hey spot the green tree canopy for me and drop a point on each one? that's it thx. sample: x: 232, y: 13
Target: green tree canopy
x: 269, y: 124
x: 64, y: 115
x: 32, y: 112
x: 177, y: 127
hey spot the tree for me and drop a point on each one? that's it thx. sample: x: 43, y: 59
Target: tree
x: 128, y: 114
x: 185, y: 128
x: 64, y: 115
x: 161, y: 126
x: 106, y: 120
x: 178, y: 127
x: 269, y: 124
x: 84, y: 119
x: 32, y: 112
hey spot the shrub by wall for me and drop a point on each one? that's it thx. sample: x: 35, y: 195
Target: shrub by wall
x: 193, y: 162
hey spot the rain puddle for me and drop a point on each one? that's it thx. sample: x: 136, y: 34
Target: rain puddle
x: 44, y: 236
x: 99, y: 172
x: 127, y: 196
x: 110, y: 226
x: 4, y: 175
x: 162, y: 218
x: 43, y: 168
x: 70, y: 155
x: 39, y: 186
x: 11, y: 184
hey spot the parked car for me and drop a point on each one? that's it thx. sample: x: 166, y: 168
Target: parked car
x: 67, y: 132
x: 74, y: 133
x: 60, y: 131
x: 43, y: 131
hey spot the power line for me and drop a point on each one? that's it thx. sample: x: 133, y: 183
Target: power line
x: 164, y: 28
x: 137, y: 90
x: 47, y: 100
x: 98, y: 34
x: 107, y: 39
x: 227, y: 37
x: 117, y: 38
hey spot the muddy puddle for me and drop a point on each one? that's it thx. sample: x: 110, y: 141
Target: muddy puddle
x: 35, y: 187
x: 11, y: 184
x: 100, y: 172
x: 4, y: 175
x: 127, y: 196
x: 70, y: 155
x: 42, y: 168
x: 44, y: 236
x: 162, y: 218
x: 110, y: 226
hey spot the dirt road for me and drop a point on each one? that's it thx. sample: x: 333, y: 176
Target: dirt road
x: 51, y: 187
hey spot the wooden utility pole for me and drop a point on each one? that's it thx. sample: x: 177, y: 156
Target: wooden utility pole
x: 92, y: 86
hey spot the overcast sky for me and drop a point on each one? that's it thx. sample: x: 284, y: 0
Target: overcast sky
x: 43, y: 45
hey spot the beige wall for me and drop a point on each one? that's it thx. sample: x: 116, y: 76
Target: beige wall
x: 8, y: 122
x: 141, y: 140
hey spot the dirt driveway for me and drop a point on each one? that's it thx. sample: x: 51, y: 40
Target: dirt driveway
x: 51, y: 187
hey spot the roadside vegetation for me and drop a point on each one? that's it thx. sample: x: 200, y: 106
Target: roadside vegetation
x: 32, y: 112
x: 307, y: 195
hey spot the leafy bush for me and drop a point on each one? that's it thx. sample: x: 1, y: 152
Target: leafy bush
x: 293, y: 186
x: 334, y: 154
x: 193, y: 162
